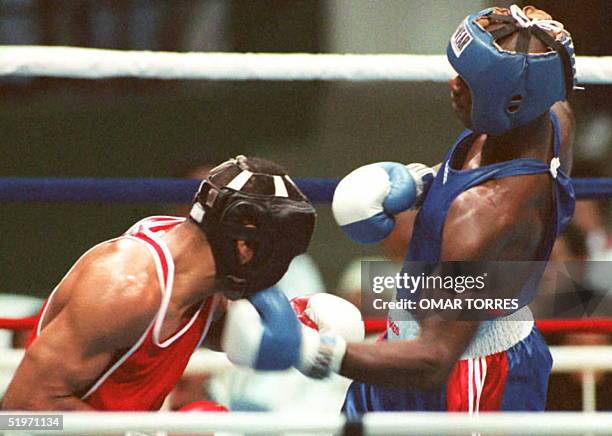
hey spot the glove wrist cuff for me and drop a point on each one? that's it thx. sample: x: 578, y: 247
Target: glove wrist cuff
x: 423, y: 177
x: 322, y: 353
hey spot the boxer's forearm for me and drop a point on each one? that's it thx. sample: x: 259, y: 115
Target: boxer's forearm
x: 70, y: 403
x: 424, y: 362
x: 397, y: 364
x: 34, y: 401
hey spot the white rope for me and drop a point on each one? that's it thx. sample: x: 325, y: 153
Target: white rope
x: 415, y: 423
x: 487, y: 423
x: 566, y: 359
x: 87, y: 63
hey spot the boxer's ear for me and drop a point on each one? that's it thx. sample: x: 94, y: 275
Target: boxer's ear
x: 246, y: 249
x: 245, y: 252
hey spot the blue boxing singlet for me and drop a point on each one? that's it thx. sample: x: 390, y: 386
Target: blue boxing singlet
x: 426, y: 243
x: 506, y: 365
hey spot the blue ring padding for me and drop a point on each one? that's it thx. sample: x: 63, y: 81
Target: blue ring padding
x: 95, y: 190
x: 593, y: 188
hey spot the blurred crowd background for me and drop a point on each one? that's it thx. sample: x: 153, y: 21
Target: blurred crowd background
x: 150, y: 128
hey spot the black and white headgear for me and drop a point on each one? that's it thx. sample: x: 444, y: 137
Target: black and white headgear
x: 267, y: 211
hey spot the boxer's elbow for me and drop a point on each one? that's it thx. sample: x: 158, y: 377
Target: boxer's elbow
x: 435, y: 369
x: 25, y: 403
x: 434, y: 380
x: 33, y: 386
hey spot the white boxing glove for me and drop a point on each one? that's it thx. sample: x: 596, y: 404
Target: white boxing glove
x: 262, y: 332
x: 366, y: 200
x: 328, y: 323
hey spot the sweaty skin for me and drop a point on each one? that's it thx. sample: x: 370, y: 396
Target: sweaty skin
x: 497, y: 220
x: 101, y: 308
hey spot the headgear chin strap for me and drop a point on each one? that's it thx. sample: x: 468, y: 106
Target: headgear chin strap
x: 511, y: 88
x: 277, y: 225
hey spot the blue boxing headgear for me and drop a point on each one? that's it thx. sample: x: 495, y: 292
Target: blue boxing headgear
x: 511, y: 88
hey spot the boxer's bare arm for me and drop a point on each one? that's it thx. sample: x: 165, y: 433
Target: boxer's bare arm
x: 111, y: 302
x: 427, y: 361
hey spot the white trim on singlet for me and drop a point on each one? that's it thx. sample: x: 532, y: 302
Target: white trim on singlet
x: 167, y: 295
x: 209, y: 318
x: 470, y: 386
x: 156, y: 322
x: 165, y: 287
x: 142, y: 338
x: 147, y: 222
x: 118, y: 363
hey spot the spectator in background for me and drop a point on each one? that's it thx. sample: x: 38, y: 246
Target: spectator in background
x: 15, y: 306
x: 590, y: 215
x: 591, y: 218
x: 565, y: 389
x: 567, y: 291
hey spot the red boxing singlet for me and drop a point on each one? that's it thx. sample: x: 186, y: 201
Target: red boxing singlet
x: 141, y: 379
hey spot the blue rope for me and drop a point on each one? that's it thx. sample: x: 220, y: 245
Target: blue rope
x: 95, y: 190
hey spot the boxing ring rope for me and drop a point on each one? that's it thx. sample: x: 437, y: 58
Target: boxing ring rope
x: 379, y: 325
x: 414, y: 423
x: 584, y: 359
x: 84, y: 63
x: 88, y: 63
x: 160, y: 190
x: 566, y: 359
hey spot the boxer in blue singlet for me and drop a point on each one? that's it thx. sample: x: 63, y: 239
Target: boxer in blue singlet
x: 502, y: 193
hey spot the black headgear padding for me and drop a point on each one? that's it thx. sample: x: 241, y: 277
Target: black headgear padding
x: 277, y: 225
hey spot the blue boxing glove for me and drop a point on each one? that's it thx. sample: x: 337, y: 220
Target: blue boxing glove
x: 262, y: 332
x: 367, y: 199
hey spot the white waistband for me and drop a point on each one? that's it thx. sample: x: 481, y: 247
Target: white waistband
x: 492, y: 336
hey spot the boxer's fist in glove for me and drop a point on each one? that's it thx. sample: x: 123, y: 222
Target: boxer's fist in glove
x: 329, y: 322
x: 262, y: 332
x: 367, y: 199
x: 328, y: 313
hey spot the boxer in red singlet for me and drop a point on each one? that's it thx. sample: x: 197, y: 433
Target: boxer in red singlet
x: 119, y: 329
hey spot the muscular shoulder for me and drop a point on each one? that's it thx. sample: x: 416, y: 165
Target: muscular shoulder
x: 113, y: 292
x: 481, y: 220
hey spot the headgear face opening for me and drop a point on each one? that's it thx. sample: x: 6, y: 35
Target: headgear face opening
x: 511, y: 88
x: 276, y: 225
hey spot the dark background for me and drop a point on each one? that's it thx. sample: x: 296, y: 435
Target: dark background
x: 149, y: 128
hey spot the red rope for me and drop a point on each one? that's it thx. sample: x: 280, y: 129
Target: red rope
x: 378, y: 325
x: 18, y: 323
x: 596, y: 325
